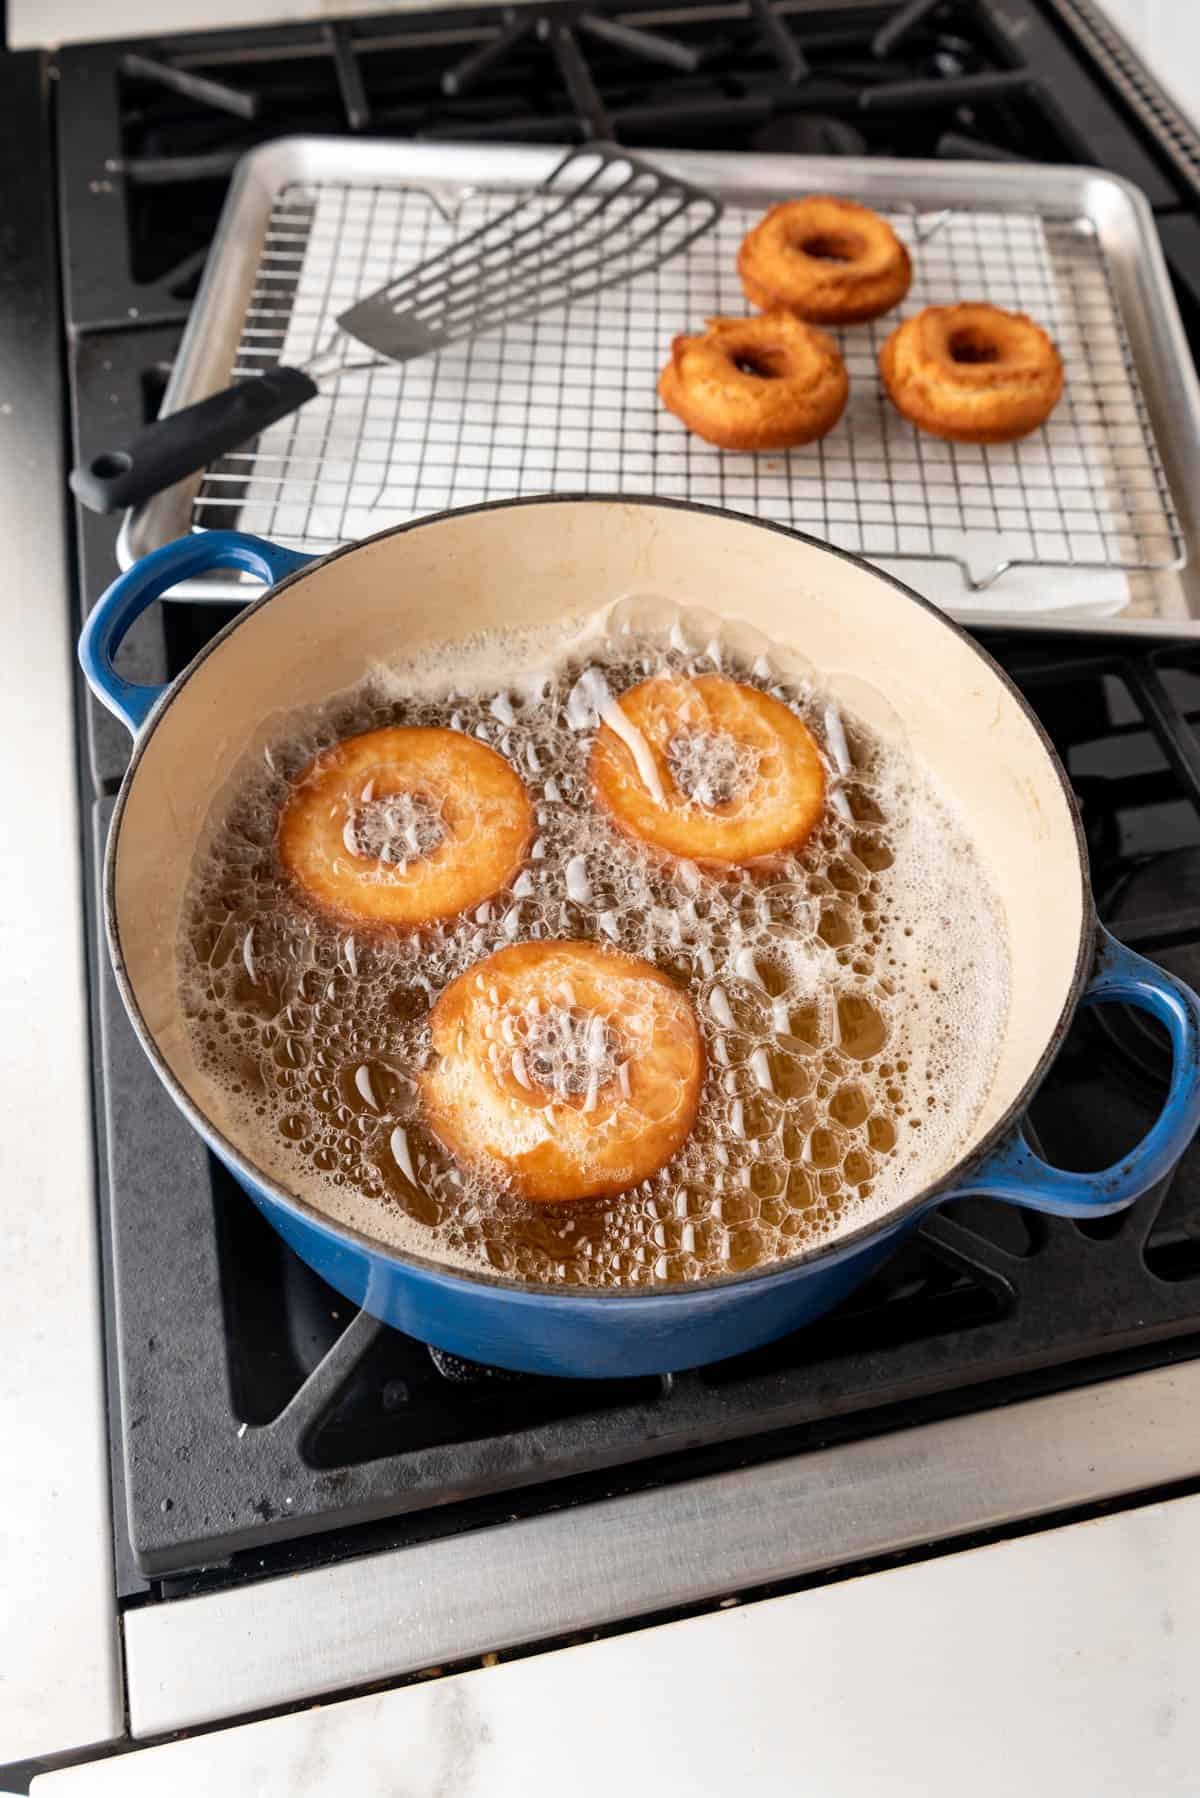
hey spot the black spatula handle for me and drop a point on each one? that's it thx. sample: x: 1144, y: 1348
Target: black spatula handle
x: 162, y: 453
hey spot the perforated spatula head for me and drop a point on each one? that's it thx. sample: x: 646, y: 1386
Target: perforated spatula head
x: 600, y: 218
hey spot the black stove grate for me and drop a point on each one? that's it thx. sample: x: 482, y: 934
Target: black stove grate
x: 150, y: 136
x: 258, y: 1421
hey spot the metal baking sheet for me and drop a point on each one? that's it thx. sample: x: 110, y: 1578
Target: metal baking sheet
x: 1085, y: 524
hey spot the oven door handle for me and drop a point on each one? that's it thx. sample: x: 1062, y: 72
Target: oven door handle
x: 1014, y: 1172
x: 132, y: 592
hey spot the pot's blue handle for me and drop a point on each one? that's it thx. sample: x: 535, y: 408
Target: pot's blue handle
x: 131, y: 593
x: 1014, y: 1172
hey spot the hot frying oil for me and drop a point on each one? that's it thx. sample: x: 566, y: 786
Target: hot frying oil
x: 851, y: 996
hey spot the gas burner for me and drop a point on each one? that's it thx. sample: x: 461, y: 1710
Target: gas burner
x: 809, y: 134
x: 1161, y: 890
x: 559, y: 25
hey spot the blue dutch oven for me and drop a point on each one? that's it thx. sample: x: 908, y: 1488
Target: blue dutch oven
x: 444, y: 578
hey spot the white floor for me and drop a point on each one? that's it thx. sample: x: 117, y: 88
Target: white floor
x: 1167, y: 32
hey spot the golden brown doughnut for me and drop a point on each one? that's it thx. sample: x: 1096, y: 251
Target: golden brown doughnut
x: 572, y: 1071
x: 405, y: 825
x: 972, y: 373
x: 764, y: 383
x: 737, y: 775
x: 829, y: 261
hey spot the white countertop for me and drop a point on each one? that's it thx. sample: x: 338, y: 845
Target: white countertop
x: 1062, y: 1663
x: 60, y: 1684
x: 56, y: 1580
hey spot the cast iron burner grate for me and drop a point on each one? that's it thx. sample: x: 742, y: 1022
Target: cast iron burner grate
x: 259, y: 1407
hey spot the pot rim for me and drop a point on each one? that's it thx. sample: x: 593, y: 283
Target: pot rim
x: 680, y: 1290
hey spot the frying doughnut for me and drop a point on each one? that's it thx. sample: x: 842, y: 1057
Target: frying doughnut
x: 972, y: 373
x: 709, y: 770
x: 573, y: 1070
x: 829, y: 261
x: 762, y: 383
x: 405, y: 825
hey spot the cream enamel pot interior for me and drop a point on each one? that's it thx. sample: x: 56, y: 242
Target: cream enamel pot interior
x: 531, y: 562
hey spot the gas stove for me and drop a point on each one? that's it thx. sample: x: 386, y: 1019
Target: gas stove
x: 258, y: 1425
x: 267, y: 1425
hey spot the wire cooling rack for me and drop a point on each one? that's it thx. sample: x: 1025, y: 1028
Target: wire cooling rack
x: 566, y: 401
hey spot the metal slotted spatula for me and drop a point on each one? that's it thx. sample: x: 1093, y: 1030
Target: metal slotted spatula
x: 601, y: 218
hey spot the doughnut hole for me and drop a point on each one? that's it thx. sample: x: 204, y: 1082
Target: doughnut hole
x: 971, y: 346
x: 764, y: 362
x: 832, y: 246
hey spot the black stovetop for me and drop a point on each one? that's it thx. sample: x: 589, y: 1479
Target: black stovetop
x: 258, y: 1421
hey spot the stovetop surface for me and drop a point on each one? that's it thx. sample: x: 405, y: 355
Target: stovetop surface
x: 258, y: 1422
